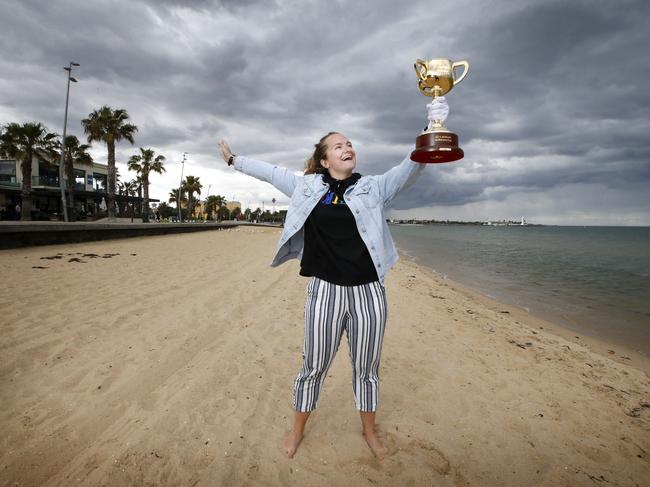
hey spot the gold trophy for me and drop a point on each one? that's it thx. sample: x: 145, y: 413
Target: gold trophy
x: 437, y: 143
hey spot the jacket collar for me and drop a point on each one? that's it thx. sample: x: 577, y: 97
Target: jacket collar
x: 318, y: 182
x: 339, y: 186
x: 315, y: 182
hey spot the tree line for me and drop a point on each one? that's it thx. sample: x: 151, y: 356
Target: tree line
x: 112, y: 126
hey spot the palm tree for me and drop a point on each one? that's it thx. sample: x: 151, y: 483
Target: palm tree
x: 138, y: 180
x: 75, y: 153
x: 224, y: 213
x: 130, y: 188
x: 124, y: 188
x: 109, y: 126
x: 121, y: 190
x: 164, y: 210
x: 192, y: 185
x: 173, y: 199
x: 143, y: 164
x: 20, y: 142
x: 213, y: 202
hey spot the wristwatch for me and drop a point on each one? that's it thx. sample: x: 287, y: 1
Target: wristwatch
x: 231, y: 159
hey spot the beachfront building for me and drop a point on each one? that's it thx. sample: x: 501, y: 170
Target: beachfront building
x: 90, y: 190
x: 200, y: 210
x: 231, y: 205
x: 9, y: 189
x: 234, y: 210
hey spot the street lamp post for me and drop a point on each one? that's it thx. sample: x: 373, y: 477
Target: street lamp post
x: 65, y: 126
x: 205, y: 207
x: 180, y: 191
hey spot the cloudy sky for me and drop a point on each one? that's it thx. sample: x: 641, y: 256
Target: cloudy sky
x: 553, y: 115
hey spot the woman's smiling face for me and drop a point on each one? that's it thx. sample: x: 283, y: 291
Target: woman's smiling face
x: 340, y: 158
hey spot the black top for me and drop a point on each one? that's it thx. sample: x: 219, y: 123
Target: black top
x: 334, y: 250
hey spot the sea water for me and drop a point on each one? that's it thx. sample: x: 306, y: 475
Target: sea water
x: 593, y: 280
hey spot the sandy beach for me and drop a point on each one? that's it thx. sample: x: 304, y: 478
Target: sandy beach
x: 169, y: 361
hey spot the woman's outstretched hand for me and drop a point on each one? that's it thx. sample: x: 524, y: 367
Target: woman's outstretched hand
x: 225, y: 150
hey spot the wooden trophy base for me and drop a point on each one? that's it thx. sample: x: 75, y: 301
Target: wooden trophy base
x: 436, y: 147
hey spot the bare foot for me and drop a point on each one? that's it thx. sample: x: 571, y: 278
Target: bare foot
x: 291, y: 443
x: 376, y: 445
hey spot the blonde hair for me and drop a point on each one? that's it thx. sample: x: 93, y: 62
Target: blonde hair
x: 313, y: 164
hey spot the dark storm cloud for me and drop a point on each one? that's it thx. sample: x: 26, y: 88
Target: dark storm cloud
x: 553, y: 80
x: 210, y: 5
x: 555, y: 95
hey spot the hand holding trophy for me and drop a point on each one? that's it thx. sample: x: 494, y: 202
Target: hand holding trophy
x: 436, y: 78
x: 437, y: 111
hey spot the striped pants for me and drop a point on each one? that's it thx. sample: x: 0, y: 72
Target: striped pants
x: 359, y: 310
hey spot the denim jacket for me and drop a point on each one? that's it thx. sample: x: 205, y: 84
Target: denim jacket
x: 366, y: 199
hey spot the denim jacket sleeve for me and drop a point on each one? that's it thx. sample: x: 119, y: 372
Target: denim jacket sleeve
x: 398, y: 178
x: 280, y: 177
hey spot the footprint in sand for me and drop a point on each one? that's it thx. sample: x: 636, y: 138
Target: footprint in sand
x: 414, y: 461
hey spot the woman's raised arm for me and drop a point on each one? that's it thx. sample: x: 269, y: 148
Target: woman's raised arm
x: 280, y: 177
x: 399, y: 178
x: 405, y: 174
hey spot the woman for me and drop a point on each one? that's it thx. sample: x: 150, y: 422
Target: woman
x: 335, y: 224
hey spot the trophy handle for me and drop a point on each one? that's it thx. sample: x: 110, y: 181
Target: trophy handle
x: 457, y: 64
x: 421, y: 69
